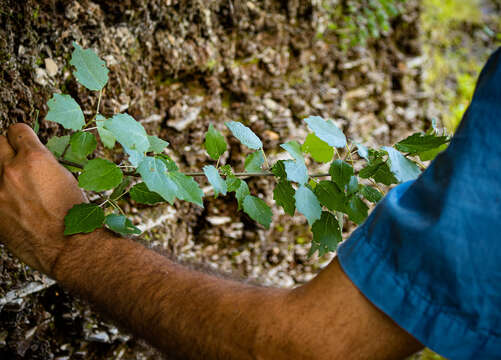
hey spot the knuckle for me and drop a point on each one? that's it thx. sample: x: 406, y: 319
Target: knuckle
x: 19, y: 127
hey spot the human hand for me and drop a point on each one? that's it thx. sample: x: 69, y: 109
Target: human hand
x: 36, y: 192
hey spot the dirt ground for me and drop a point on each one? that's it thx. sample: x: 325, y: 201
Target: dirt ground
x: 177, y: 66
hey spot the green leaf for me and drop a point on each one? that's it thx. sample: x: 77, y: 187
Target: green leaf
x: 83, y: 218
x: 241, y: 193
x: 226, y: 170
x: 232, y: 183
x: 278, y: 169
x: 154, y: 174
x: 258, y: 210
x: 330, y: 196
x: 215, y: 179
x: 357, y: 210
x: 106, y: 136
x: 379, y: 171
x: 283, y: 194
x: 57, y: 144
x: 135, y: 157
x: 36, y: 124
x: 296, y: 171
x: 371, y: 194
x: 352, y: 185
x: 244, y: 134
x: 187, y: 188
x: 99, y: 175
x: 83, y: 143
x: 128, y: 132
x: 362, y: 151
x: 318, y: 149
x: 254, y: 162
x: 169, y: 163
x: 341, y: 173
x: 157, y: 145
x: 141, y: 194
x: 307, y: 204
x: 121, y: 225
x: 417, y: 143
x: 431, y: 154
x: 327, y: 131
x: 294, y: 149
x: 119, y: 190
x: 64, y: 110
x: 90, y: 71
x: 403, y: 168
x: 215, y: 144
x: 326, y: 234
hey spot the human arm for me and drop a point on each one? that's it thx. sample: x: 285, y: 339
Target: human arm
x: 185, y: 313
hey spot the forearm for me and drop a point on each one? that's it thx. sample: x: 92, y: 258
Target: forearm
x: 182, y: 312
x: 188, y: 314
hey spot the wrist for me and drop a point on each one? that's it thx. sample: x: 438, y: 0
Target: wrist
x: 78, y: 251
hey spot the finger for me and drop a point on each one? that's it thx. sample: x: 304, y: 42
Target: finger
x: 6, y: 151
x: 23, y: 138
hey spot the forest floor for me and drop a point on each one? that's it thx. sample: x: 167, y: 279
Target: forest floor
x: 177, y: 68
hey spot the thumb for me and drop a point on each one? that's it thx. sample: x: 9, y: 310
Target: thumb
x: 23, y: 138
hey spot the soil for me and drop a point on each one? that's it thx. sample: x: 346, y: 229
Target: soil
x: 177, y: 66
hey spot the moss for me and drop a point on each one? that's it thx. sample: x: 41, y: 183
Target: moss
x: 36, y: 13
x: 211, y: 64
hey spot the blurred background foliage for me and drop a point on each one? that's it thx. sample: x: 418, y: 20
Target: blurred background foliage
x: 458, y: 37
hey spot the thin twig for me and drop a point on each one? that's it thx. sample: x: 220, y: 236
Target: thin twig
x: 238, y: 174
x: 65, y: 150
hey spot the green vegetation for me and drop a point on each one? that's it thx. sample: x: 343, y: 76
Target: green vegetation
x: 356, y: 22
x: 343, y: 192
x: 455, y: 59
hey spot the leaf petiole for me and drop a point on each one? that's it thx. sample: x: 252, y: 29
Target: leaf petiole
x: 116, y: 207
x: 266, y: 164
x: 99, y: 101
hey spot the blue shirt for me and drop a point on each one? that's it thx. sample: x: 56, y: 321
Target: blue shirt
x: 429, y: 255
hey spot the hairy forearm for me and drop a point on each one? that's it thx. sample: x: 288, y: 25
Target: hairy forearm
x: 188, y: 314
x: 183, y: 312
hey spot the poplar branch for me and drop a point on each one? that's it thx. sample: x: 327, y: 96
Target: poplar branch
x: 237, y: 174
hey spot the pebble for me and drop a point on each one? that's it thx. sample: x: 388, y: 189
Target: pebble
x: 41, y: 76
x: 50, y: 67
x: 100, y: 337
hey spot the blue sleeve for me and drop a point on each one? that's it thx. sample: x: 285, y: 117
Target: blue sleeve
x: 429, y: 255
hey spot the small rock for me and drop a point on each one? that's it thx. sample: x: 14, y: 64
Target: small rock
x: 271, y: 135
x: 41, y: 76
x: 3, y: 338
x: 271, y: 104
x: 15, y: 305
x: 100, y: 337
x: 218, y: 220
x: 190, y: 115
x: 50, y: 67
